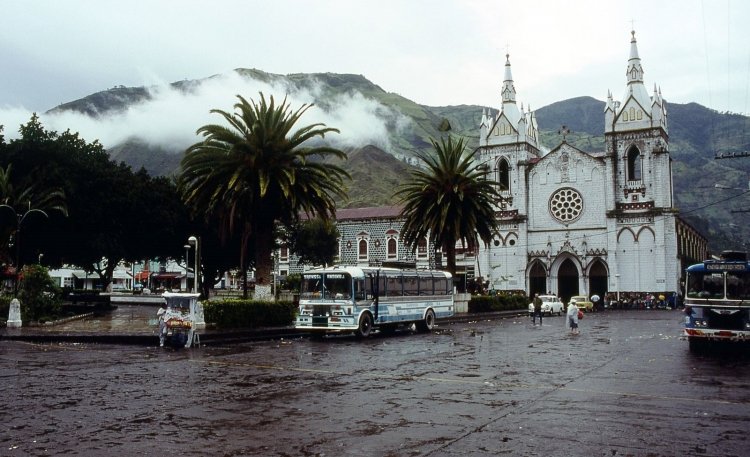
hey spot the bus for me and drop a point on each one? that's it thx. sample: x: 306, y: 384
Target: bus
x: 717, y: 301
x: 344, y: 299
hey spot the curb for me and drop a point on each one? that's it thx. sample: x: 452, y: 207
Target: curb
x: 210, y: 336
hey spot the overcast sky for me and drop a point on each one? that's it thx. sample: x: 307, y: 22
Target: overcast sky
x: 434, y: 52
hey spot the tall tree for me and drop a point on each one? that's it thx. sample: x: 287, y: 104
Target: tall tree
x: 258, y: 173
x: 449, y: 200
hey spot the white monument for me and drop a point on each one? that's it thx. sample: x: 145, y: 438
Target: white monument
x: 14, y: 314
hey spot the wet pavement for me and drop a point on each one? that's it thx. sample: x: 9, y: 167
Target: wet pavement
x: 128, y: 324
x: 627, y: 386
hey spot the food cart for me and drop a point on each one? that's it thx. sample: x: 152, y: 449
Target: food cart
x: 179, y: 319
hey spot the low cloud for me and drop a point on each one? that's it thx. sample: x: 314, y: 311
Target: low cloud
x: 171, y: 117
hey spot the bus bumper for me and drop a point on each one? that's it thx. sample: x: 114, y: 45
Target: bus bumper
x: 326, y: 324
x: 718, y: 335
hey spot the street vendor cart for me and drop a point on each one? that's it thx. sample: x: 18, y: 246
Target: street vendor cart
x: 179, y: 318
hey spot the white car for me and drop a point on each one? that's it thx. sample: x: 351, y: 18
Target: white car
x: 550, y: 305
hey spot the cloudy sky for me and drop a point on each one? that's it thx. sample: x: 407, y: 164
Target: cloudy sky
x: 434, y: 52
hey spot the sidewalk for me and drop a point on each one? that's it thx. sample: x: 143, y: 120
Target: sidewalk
x: 138, y: 324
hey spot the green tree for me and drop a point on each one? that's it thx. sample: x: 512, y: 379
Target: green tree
x: 315, y: 241
x: 449, y: 200
x: 257, y: 173
x: 114, y: 213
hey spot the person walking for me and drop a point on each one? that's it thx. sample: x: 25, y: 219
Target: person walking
x: 537, y: 309
x: 572, y: 315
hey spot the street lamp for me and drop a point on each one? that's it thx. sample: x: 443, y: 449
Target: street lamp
x: 187, y: 262
x: 617, y: 287
x: 194, y: 240
x: 19, y: 220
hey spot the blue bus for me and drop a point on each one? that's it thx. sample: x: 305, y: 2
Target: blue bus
x: 717, y: 301
x: 360, y: 299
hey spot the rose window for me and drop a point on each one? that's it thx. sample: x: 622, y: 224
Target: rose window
x: 566, y: 205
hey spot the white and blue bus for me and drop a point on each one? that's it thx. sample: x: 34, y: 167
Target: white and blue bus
x: 717, y: 301
x: 353, y: 299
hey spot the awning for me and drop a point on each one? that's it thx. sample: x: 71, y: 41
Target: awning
x: 142, y: 275
x: 80, y: 274
x: 168, y: 276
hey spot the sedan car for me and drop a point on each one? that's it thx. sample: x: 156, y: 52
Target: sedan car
x: 582, y: 302
x: 550, y: 305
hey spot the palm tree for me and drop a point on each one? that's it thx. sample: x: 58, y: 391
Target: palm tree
x: 450, y: 200
x: 257, y: 173
x: 22, y: 201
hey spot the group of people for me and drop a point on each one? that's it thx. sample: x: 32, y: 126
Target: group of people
x: 573, y: 314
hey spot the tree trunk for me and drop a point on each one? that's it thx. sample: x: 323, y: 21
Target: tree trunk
x: 450, y: 253
x: 243, y: 259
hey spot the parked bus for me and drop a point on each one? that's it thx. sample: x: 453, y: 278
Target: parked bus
x: 354, y: 299
x: 717, y: 301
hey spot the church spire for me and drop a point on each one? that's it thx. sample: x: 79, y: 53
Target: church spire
x: 508, y: 91
x: 635, y: 70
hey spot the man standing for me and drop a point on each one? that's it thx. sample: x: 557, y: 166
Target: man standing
x: 537, y: 309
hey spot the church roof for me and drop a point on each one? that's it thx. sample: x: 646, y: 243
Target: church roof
x: 380, y: 212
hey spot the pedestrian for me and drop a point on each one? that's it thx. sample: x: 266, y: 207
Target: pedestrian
x: 537, y: 309
x: 573, y: 318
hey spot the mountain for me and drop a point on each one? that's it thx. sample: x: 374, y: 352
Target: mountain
x: 697, y: 135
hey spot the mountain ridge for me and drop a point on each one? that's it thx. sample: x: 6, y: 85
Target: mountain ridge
x: 697, y: 134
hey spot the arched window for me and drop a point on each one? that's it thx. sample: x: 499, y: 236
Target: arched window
x: 362, y: 249
x: 635, y: 165
x: 391, y: 244
x: 392, y: 249
x: 503, y: 174
x: 422, y: 248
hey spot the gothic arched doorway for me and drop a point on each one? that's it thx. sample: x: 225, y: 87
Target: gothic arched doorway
x: 567, y: 280
x: 598, y: 280
x: 537, y: 279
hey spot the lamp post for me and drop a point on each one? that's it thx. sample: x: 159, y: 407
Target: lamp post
x: 187, y: 262
x: 19, y: 220
x: 194, y: 240
x: 617, y: 287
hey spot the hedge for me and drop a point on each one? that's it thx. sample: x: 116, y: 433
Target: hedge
x: 485, y: 303
x: 238, y: 313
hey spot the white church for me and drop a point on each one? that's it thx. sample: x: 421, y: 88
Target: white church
x: 570, y: 222
x: 573, y: 222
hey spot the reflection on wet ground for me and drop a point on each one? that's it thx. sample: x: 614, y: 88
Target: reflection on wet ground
x: 125, y: 319
x: 626, y: 386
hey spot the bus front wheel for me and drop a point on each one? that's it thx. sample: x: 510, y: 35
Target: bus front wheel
x: 428, y: 323
x: 365, y: 325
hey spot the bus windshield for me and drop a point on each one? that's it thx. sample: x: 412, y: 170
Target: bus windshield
x: 711, y: 285
x: 738, y: 285
x: 326, y: 285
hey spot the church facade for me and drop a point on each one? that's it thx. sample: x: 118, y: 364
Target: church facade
x: 570, y: 222
x: 573, y: 222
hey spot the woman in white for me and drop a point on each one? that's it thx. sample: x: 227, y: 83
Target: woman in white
x: 573, y: 318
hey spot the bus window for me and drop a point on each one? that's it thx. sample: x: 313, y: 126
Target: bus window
x: 360, y: 291
x: 426, y: 286
x: 394, y: 286
x: 702, y: 285
x: 310, y: 285
x: 441, y: 285
x: 337, y: 285
x: 411, y: 286
x: 738, y: 285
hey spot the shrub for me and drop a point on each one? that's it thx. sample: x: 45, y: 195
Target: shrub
x: 485, y: 303
x: 38, y: 294
x: 238, y: 313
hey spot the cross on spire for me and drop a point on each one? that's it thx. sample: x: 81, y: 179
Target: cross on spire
x: 564, y: 131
